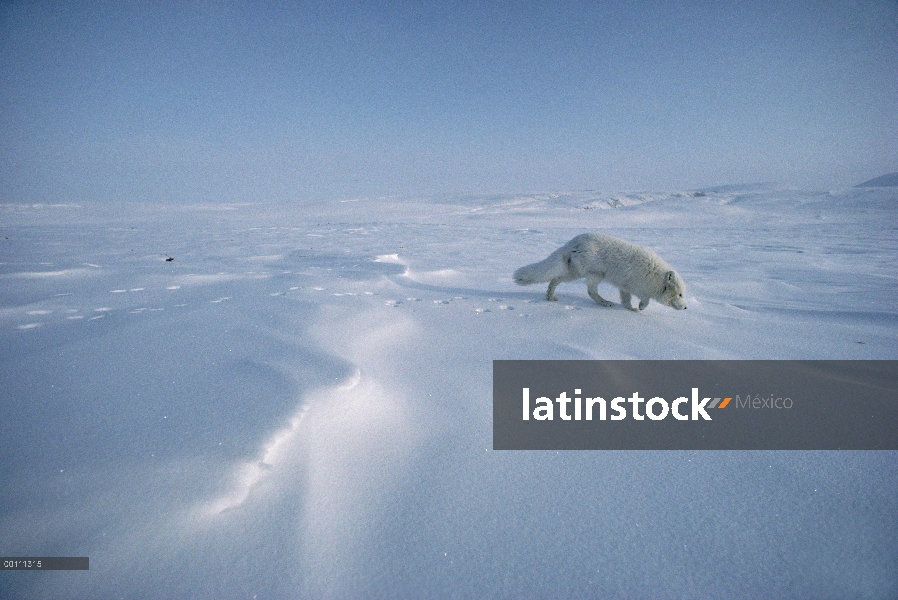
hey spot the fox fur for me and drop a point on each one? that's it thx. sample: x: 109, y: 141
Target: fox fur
x: 633, y: 269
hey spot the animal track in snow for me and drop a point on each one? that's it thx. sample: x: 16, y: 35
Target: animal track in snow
x: 71, y: 315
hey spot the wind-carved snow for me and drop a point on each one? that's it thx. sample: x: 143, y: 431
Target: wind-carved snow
x: 441, y: 275
x: 390, y: 258
x: 316, y: 385
x: 46, y: 274
x: 248, y: 475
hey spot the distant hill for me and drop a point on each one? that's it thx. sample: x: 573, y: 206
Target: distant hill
x: 890, y: 180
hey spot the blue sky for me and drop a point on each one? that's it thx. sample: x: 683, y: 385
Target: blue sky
x: 231, y: 101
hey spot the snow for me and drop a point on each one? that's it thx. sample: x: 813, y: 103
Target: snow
x: 298, y: 405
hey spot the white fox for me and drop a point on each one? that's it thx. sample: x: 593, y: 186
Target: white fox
x: 596, y: 257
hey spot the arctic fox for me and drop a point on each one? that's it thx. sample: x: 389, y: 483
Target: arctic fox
x: 594, y: 256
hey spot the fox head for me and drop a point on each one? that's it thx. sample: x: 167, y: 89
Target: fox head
x: 673, y: 290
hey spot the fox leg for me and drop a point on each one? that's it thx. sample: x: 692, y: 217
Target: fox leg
x: 550, y: 293
x: 592, y: 283
x: 625, y: 300
x: 643, y: 302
